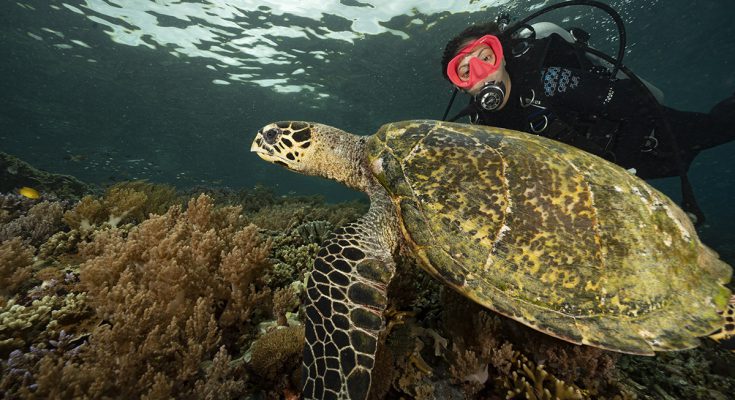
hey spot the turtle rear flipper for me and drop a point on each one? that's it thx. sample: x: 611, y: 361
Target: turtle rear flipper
x: 346, y: 297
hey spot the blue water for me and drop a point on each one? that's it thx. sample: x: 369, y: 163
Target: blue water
x: 173, y: 91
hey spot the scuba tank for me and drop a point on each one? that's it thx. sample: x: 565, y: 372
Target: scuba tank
x: 579, y: 36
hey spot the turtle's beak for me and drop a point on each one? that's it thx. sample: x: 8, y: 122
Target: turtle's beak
x: 263, y: 150
x: 266, y: 151
x: 255, y: 147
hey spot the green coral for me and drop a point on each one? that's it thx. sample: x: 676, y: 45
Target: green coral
x: 294, y: 251
x: 314, y: 231
x: 291, y: 262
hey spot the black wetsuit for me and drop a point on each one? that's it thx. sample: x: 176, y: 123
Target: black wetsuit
x: 555, y: 92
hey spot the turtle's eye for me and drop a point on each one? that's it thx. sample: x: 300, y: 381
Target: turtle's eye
x: 271, y: 135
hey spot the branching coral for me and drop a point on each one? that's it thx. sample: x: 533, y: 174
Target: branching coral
x: 40, y: 222
x: 123, y: 202
x: 63, y: 244
x: 284, y: 301
x: 251, y: 200
x: 412, y: 375
x: 15, y: 266
x: 17, y: 372
x: 165, y: 290
x: 89, y: 211
x: 172, y: 301
x: 158, y: 197
x: 482, y: 357
x: 222, y: 380
x: 591, y: 367
x: 531, y: 381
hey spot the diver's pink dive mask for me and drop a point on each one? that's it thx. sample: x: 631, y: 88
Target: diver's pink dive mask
x: 479, y: 69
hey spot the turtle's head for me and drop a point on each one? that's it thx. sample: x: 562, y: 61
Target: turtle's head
x: 286, y: 143
x: 313, y: 149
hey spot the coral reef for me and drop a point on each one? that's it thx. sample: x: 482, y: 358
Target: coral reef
x: 140, y: 294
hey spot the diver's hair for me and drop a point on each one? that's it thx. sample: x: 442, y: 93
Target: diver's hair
x: 472, y: 32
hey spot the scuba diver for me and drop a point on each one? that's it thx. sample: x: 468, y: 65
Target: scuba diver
x: 545, y: 80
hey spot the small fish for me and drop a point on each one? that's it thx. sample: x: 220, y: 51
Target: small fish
x: 28, y: 192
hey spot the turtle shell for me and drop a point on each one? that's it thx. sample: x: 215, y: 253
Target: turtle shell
x: 549, y: 235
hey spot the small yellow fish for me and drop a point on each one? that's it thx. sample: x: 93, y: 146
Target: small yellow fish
x: 31, y: 193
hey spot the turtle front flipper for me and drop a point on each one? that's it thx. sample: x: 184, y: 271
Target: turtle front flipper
x: 726, y: 335
x: 346, y: 297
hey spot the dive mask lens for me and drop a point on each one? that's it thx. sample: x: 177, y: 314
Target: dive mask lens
x: 479, y: 69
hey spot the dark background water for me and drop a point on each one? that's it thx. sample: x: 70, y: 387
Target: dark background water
x: 173, y: 92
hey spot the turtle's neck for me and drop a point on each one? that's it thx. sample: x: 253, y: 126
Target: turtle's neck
x: 341, y: 156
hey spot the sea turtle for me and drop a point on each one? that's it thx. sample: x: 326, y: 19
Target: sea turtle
x: 539, y: 231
